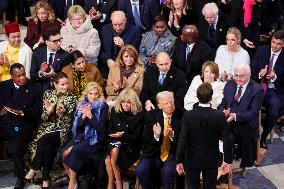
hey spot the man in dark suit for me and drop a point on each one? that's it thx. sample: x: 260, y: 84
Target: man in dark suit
x: 61, y: 7
x: 163, y: 77
x: 268, y: 69
x: 140, y: 12
x: 198, y: 146
x: 114, y: 36
x: 49, y: 59
x: 213, y: 26
x: 241, y: 105
x: 20, y: 107
x: 191, y: 52
x: 160, y: 137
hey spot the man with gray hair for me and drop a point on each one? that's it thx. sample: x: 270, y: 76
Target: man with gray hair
x: 213, y: 26
x: 114, y: 36
x: 241, y: 105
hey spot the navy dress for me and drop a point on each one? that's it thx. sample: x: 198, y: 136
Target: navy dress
x: 89, y: 135
x: 131, y: 141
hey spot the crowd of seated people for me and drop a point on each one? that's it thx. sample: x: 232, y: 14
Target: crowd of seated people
x: 148, y: 58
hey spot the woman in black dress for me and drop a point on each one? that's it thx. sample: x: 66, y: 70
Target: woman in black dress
x: 125, y: 135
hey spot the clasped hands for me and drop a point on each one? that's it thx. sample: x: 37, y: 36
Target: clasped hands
x: 4, y: 60
x: 49, y: 108
x: 167, y: 132
x: 229, y: 115
x: 86, y: 110
x: 264, y: 73
x: 43, y: 69
x: 117, y: 134
x: 117, y: 84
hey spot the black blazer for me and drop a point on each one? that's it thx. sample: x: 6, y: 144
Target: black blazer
x: 40, y: 56
x: 28, y: 98
x: 132, y: 125
x: 148, y: 10
x: 219, y: 35
x: 175, y: 81
x: 261, y: 59
x: 151, y: 147
x: 198, y: 145
x: 200, y: 53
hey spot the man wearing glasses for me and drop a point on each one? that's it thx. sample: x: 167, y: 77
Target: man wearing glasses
x: 241, y: 105
x: 49, y: 59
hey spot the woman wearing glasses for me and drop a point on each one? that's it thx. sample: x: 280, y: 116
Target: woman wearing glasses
x: 79, y: 34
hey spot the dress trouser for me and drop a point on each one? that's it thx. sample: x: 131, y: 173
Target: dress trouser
x: 47, y: 147
x: 272, y: 104
x: 209, y: 178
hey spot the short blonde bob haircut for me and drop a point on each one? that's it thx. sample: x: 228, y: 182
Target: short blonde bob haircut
x: 76, y: 10
x: 131, y: 96
x: 90, y: 86
x: 213, y: 68
x: 47, y: 7
x: 132, y: 52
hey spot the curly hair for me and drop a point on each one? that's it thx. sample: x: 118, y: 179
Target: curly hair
x: 47, y: 7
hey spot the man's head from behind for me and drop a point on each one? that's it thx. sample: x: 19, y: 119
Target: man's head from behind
x: 18, y: 74
x: 277, y: 41
x: 13, y: 35
x: 163, y: 62
x: 118, y: 20
x: 242, y: 73
x: 51, y: 37
x: 166, y: 102
x: 204, y: 93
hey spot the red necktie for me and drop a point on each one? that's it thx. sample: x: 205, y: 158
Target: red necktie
x: 239, y: 94
x: 264, y: 84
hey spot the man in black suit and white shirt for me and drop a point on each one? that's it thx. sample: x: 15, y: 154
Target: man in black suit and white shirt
x: 198, y: 146
x: 49, y: 59
x: 163, y: 77
x: 191, y: 52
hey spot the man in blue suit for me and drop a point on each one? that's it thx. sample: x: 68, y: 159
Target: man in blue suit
x: 114, y: 36
x: 140, y: 12
x: 268, y: 69
x: 241, y: 105
x: 49, y: 59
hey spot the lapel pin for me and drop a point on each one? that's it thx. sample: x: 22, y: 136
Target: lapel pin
x: 27, y: 91
x: 171, y: 76
x: 58, y: 59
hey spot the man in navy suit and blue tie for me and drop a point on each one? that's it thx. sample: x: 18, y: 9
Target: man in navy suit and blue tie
x: 48, y: 60
x: 241, y: 105
x: 268, y: 69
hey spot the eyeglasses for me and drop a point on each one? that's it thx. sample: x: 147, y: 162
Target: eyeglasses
x: 240, y: 76
x: 77, y: 19
x: 56, y: 40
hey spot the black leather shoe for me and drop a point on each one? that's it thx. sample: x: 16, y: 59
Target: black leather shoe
x: 263, y: 145
x: 20, y: 184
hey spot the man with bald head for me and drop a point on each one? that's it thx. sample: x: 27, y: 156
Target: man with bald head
x: 114, y: 36
x: 191, y: 52
x: 163, y: 76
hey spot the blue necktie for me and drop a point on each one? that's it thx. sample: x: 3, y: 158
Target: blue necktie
x: 136, y: 15
x: 187, y: 51
x: 162, y: 78
x: 50, y: 59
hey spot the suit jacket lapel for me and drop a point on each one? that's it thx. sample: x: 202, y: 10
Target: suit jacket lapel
x: 247, y: 93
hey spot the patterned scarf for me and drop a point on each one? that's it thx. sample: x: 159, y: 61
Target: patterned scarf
x: 79, y: 83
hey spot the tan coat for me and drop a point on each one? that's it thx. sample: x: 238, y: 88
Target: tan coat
x: 91, y: 73
x: 135, y: 81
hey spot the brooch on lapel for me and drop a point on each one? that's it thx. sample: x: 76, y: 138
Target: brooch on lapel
x: 58, y: 59
x: 220, y: 29
x: 27, y: 91
x: 171, y: 76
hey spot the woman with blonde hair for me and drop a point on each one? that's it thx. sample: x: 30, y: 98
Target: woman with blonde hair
x: 42, y: 18
x: 179, y: 14
x: 79, y: 34
x: 231, y: 54
x: 89, y: 129
x: 126, y: 72
x: 125, y: 135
